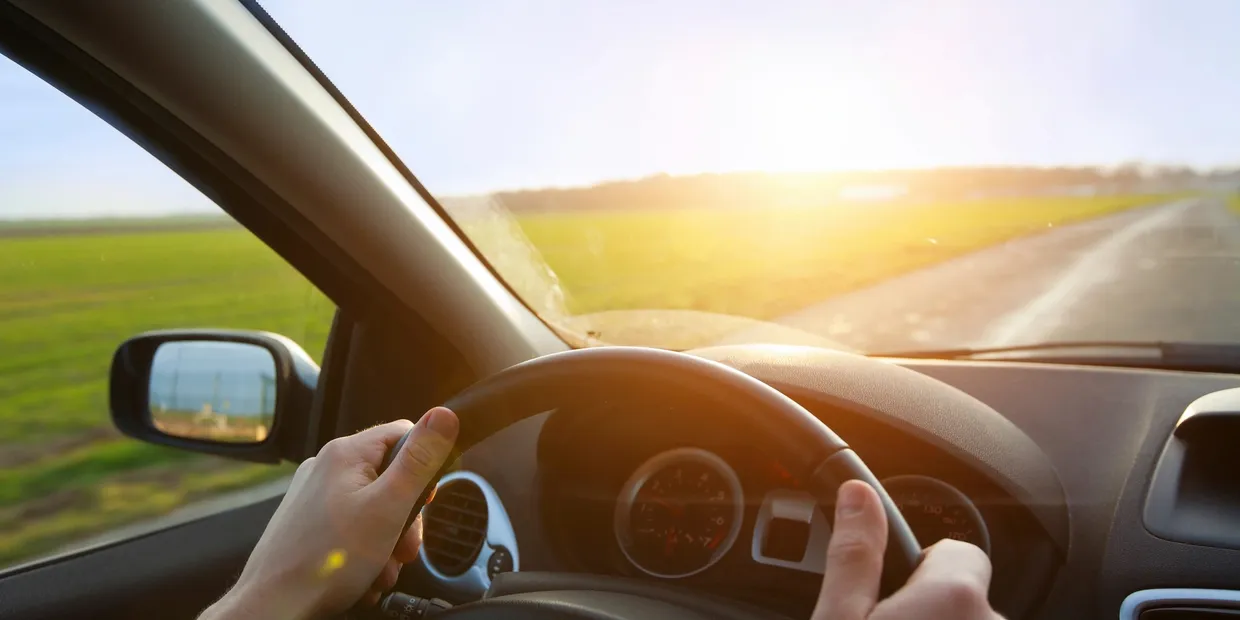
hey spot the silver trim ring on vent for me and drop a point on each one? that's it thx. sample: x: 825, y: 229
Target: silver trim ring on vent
x: 1142, y: 600
x: 473, y: 582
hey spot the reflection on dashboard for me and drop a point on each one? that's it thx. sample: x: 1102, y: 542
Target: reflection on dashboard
x: 679, y: 512
x: 937, y: 510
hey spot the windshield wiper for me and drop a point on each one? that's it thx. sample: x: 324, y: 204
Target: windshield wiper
x: 1191, y: 356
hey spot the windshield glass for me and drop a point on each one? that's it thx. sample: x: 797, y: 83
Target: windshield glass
x: 871, y: 175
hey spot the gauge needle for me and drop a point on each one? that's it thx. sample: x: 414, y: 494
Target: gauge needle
x: 669, y: 544
x: 714, y: 542
x: 672, y: 508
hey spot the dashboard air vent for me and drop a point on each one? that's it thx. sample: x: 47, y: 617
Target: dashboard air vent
x: 454, y: 527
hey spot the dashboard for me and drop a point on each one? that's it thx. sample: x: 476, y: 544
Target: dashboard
x: 658, y: 491
x: 1050, y: 477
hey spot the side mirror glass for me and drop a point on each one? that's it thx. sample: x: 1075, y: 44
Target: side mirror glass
x: 238, y: 394
x: 213, y: 391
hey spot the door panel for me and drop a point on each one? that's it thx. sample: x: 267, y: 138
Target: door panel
x: 146, y: 577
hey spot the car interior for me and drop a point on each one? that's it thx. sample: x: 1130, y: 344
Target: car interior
x: 1096, y: 490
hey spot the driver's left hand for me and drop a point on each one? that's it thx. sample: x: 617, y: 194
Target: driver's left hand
x: 336, y: 538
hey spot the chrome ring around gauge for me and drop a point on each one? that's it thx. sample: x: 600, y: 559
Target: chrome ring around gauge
x: 679, y: 513
x: 936, y: 510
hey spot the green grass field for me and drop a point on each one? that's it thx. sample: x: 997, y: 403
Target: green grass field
x: 67, y: 300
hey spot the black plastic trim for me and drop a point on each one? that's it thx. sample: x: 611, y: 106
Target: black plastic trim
x: 143, y: 577
x: 1194, y: 494
x: 325, y: 408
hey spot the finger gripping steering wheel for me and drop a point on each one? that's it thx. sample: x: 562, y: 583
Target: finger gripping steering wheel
x: 804, y: 444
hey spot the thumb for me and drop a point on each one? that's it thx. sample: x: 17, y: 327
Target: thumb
x: 419, y: 456
x: 854, y: 555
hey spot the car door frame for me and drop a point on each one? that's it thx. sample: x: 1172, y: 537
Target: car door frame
x: 386, y: 358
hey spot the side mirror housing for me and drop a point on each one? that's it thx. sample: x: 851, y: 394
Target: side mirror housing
x: 238, y: 394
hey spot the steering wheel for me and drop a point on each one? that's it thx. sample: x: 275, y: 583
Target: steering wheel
x: 805, y: 445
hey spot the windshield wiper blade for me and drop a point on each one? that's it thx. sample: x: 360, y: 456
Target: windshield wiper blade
x: 967, y: 352
x: 1196, y: 356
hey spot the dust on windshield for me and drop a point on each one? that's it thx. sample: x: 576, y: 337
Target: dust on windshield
x: 869, y: 176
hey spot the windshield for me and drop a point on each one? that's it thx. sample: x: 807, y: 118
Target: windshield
x: 869, y: 175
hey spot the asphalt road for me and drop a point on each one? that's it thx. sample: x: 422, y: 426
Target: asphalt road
x: 1168, y: 272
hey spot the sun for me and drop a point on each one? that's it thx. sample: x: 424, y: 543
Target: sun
x: 794, y: 119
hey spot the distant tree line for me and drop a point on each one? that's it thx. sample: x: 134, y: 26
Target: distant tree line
x: 753, y: 189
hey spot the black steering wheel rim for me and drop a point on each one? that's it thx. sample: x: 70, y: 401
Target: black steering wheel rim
x: 805, y: 444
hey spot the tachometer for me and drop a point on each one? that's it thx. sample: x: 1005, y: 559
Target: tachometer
x: 937, y: 510
x: 679, y: 513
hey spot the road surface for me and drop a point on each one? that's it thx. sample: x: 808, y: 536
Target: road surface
x: 1167, y: 272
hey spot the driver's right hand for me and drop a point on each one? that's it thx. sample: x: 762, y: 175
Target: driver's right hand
x: 951, y: 581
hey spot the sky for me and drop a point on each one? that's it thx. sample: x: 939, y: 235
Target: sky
x: 484, y: 95
x: 233, y: 377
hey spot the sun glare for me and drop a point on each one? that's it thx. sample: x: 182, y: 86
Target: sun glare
x: 791, y: 118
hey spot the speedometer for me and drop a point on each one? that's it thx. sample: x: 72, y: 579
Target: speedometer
x: 679, y: 513
x: 936, y: 510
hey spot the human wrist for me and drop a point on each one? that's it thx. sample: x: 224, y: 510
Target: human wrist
x: 227, y: 607
x: 245, y: 601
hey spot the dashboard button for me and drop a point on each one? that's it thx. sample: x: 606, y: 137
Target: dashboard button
x: 500, y: 562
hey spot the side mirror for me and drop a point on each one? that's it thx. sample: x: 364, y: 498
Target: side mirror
x: 238, y: 394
